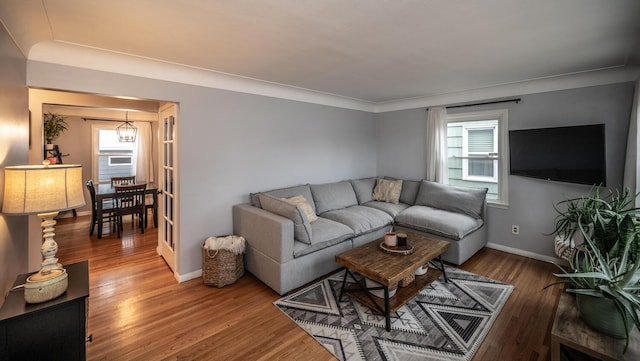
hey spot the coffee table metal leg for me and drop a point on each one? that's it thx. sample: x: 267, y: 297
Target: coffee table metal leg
x: 344, y: 281
x: 444, y: 272
x: 387, y: 314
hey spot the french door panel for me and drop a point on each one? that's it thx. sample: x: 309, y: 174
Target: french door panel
x: 168, y: 246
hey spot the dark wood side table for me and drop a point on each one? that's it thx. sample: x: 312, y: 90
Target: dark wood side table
x: 569, y: 330
x: 52, y: 330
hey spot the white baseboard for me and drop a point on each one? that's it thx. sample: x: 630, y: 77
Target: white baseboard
x: 528, y: 254
x: 188, y: 276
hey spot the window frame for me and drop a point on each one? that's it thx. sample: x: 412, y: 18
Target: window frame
x: 502, y: 157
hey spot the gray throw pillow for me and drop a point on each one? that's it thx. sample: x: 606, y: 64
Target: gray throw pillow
x: 364, y: 189
x: 469, y: 201
x: 301, y: 226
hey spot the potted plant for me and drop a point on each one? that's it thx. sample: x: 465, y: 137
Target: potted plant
x: 603, y: 204
x: 54, y: 125
x: 604, y: 270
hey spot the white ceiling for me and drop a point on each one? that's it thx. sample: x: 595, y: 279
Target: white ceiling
x: 369, y: 50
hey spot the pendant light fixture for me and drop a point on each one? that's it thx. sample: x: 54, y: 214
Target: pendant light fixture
x: 127, y: 131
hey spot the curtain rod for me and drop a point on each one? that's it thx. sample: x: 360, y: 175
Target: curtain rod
x: 115, y: 120
x: 516, y: 100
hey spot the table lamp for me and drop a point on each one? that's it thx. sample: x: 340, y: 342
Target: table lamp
x: 44, y: 190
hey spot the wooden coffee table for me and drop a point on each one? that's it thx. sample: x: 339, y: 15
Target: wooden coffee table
x: 389, y: 269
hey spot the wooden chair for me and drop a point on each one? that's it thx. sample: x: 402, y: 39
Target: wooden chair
x: 107, y: 209
x: 130, y: 200
x: 150, y: 204
x: 131, y: 179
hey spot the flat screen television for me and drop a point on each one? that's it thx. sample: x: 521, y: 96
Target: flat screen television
x: 574, y: 154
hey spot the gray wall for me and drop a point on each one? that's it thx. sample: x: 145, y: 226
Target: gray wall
x: 402, y: 152
x: 232, y: 143
x: 14, y: 142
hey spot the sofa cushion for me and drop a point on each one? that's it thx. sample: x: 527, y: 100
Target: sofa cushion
x: 409, y: 191
x: 444, y: 223
x: 364, y: 189
x: 387, y: 190
x: 326, y: 233
x: 469, y: 201
x: 302, y: 230
x: 361, y: 219
x: 390, y: 208
x: 303, y: 190
x: 330, y: 196
x: 302, y: 202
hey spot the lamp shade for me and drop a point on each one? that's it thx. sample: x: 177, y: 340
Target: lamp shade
x: 33, y: 189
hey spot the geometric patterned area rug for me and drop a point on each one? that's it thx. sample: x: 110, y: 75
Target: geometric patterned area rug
x: 445, y: 321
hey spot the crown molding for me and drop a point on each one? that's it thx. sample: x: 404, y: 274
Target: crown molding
x: 541, y: 85
x: 74, y: 55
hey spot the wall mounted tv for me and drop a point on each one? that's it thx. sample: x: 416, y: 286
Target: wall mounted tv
x: 574, y: 154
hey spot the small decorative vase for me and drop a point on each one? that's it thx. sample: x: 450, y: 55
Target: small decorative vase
x: 390, y: 239
x: 602, y: 315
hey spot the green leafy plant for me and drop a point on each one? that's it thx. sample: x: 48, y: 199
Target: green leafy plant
x: 607, y: 264
x: 54, y: 125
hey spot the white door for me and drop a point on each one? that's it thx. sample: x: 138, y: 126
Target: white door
x: 168, y: 243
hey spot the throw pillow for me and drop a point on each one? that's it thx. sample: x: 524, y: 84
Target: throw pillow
x: 303, y: 204
x: 387, y: 190
x: 301, y: 226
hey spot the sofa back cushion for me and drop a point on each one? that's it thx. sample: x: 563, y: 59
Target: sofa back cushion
x: 301, y: 226
x: 409, y: 191
x: 330, y: 196
x: 469, y: 201
x: 303, y: 190
x: 364, y: 189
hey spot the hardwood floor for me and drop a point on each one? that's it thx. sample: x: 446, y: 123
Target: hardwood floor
x: 137, y: 311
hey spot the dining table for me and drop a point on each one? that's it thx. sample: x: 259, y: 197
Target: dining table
x: 105, y: 191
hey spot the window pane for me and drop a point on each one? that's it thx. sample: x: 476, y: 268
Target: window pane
x: 481, y: 168
x: 115, y: 158
x: 480, y: 140
x: 108, y: 140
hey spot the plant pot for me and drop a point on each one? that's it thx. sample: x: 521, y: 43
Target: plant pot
x: 48, y: 146
x: 602, y: 315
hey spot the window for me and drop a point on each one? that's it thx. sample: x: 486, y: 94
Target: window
x: 112, y: 158
x: 477, y: 152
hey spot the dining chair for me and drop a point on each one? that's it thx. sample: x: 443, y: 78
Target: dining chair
x: 150, y: 204
x: 130, y: 179
x: 107, y: 209
x: 129, y: 199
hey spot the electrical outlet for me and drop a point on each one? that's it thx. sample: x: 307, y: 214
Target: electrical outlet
x: 515, y: 229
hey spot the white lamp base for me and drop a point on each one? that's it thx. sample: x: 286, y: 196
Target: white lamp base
x: 45, y: 286
x: 51, y: 281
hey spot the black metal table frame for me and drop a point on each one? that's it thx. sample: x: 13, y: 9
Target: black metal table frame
x: 362, y: 287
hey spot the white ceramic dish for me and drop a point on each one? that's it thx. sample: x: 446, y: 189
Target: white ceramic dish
x: 379, y: 293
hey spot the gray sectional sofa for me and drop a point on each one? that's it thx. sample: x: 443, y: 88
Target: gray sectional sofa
x: 293, y: 234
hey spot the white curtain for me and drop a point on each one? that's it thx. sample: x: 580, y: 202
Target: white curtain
x: 144, y: 157
x: 631, y: 169
x: 437, y: 144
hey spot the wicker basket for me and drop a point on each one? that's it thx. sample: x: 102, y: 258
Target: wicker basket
x: 221, y: 267
x: 405, y: 282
